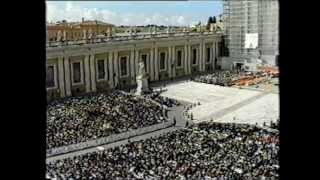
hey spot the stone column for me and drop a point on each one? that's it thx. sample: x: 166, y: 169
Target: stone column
x: 200, y: 56
x: 110, y: 59
x: 204, y: 56
x: 136, y: 62
x: 189, y: 58
x: 106, y: 74
x: 213, y: 54
x: 185, y: 61
x: 93, y: 73
x: 87, y: 72
x: 115, y: 67
x: 151, y: 60
x: 169, y: 62
x: 67, y: 75
x: 147, y: 65
x: 132, y: 69
x: 156, y: 64
x: 173, y: 52
x: 61, y: 77
x: 217, y: 50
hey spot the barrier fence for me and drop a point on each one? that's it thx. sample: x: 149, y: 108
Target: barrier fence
x: 108, y: 139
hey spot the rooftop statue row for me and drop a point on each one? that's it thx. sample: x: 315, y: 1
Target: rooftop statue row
x: 125, y: 37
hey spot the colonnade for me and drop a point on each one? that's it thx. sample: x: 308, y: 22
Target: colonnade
x: 112, y: 63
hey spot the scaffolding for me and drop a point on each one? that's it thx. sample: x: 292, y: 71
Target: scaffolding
x: 251, y: 16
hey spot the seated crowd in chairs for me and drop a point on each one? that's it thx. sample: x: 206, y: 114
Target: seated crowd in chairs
x: 168, y: 102
x: 222, y: 78
x: 80, y: 119
x: 203, y: 151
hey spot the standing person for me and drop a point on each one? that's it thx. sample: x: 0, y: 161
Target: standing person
x: 174, y: 121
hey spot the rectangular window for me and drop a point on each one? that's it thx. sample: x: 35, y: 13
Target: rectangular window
x: 194, y: 57
x: 101, y: 70
x: 162, y: 61
x: 179, y: 59
x: 144, y: 60
x: 50, y: 76
x: 208, y: 54
x: 76, y: 72
x: 123, y: 65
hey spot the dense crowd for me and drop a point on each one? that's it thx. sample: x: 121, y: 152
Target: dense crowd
x: 230, y: 78
x: 186, y: 111
x: 203, y: 151
x: 79, y: 119
x: 168, y: 102
x: 275, y: 125
x: 222, y: 78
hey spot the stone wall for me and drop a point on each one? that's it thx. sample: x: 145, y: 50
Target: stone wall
x: 179, y: 72
x: 53, y: 94
x: 102, y: 86
x: 78, y: 90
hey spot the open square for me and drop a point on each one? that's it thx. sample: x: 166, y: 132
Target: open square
x: 226, y: 104
x: 162, y: 90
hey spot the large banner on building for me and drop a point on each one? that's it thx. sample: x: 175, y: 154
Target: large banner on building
x: 251, y: 41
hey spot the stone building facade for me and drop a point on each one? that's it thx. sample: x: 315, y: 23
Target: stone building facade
x: 66, y: 31
x: 74, y: 70
x: 251, y: 16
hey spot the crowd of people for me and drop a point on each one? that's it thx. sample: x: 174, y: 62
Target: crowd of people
x: 230, y: 78
x: 222, y: 78
x: 79, y: 119
x: 275, y: 125
x: 186, y: 110
x: 168, y: 102
x: 203, y: 151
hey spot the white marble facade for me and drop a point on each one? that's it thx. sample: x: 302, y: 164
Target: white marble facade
x: 112, y: 52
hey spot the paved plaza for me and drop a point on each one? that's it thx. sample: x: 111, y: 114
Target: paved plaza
x: 226, y: 104
x: 264, y: 109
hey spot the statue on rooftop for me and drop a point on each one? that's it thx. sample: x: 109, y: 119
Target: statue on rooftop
x: 154, y: 30
x: 168, y: 29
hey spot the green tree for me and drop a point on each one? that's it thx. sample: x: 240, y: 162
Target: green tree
x: 209, y: 22
x: 214, y: 19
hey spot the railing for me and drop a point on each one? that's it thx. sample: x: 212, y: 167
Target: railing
x: 128, y: 37
x: 108, y: 139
